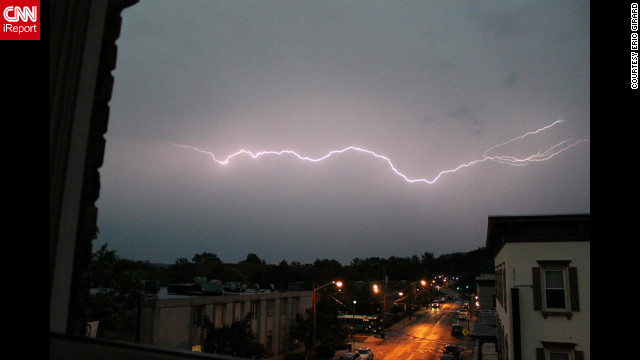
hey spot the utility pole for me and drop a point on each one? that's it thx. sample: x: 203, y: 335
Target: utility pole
x: 384, y: 301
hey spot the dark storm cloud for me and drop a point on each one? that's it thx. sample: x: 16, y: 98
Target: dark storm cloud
x: 510, y: 79
x: 429, y: 84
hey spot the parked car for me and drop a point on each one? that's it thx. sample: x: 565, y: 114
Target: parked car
x: 352, y: 355
x: 456, y: 329
x: 452, y: 349
x: 365, y: 353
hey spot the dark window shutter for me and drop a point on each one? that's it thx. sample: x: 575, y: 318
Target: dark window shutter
x: 537, y: 289
x: 539, y: 353
x: 579, y: 355
x: 573, y: 289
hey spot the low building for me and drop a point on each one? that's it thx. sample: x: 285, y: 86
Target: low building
x: 175, y: 321
x: 542, y: 269
x: 486, y: 291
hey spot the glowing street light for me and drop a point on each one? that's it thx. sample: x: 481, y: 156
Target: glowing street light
x: 339, y: 285
x: 354, y: 325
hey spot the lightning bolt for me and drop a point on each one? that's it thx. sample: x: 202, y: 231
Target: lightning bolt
x: 502, y: 159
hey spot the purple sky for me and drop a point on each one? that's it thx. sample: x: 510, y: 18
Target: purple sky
x: 429, y: 84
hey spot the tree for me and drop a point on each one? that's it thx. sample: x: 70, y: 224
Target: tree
x: 301, y: 331
x: 252, y: 259
x: 115, y: 307
x: 182, y: 271
x: 428, y: 262
x: 235, y: 339
x: 200, y: 257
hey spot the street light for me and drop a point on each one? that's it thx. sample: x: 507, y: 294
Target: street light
x: 354, y: 325
x: 381, y: 322
x: 339, y: 285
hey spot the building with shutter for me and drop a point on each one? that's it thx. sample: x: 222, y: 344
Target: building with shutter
x: 542, y: 268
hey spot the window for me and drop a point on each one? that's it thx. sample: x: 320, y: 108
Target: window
x: 196, y: 316
x: 238, y: 311
x: 555, y: 288
x: 501, y: 286
x: 283, y: 307
x: 558, y: 351
x: 270, y: 304
x: 284, y: 339
x: 295, y: 304
x: 218, y: 315
x: 255, y: 309
x: 269, y: 343
x: 558, y: 356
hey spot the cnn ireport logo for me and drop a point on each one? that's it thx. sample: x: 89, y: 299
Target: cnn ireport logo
x: 20, y: 20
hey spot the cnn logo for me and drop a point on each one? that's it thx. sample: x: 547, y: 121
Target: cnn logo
x: 15, y: 13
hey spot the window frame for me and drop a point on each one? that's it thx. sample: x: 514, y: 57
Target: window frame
x: 546, y: 288
x: 570, y: 278
x: 548, y: 348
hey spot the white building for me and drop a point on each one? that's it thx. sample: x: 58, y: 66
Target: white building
x: 542, y: 266
x: 176, y: 322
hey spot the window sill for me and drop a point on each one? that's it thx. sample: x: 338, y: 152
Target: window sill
x: 547, y: 313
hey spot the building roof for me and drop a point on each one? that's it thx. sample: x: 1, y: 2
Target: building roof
x: 485, y: 327
x: 536, y: 228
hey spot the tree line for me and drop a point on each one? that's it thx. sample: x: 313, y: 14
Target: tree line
x: 117, y: 309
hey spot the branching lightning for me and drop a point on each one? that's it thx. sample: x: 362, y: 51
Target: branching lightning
x: 503, y: 159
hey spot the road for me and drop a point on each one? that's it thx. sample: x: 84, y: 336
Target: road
x: 422, y: 338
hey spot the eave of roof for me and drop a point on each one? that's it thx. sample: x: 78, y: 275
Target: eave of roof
x: 536, y: 228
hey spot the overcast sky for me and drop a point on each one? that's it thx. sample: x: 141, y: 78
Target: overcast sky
x: 430, y: 85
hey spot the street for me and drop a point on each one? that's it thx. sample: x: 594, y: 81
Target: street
x: 423, y: 337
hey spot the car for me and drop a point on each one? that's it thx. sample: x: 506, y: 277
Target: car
x: 463, y: 314
x: 350, y: 355
x: 452, y: 349
x: 456, y: 329
x: 365, y: 353
x: 435, y: 305
x: 373, y: 329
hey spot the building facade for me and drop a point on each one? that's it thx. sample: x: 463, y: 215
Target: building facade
x: 542, y: 270
x: 486, y: 291
x: 177, y: 322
